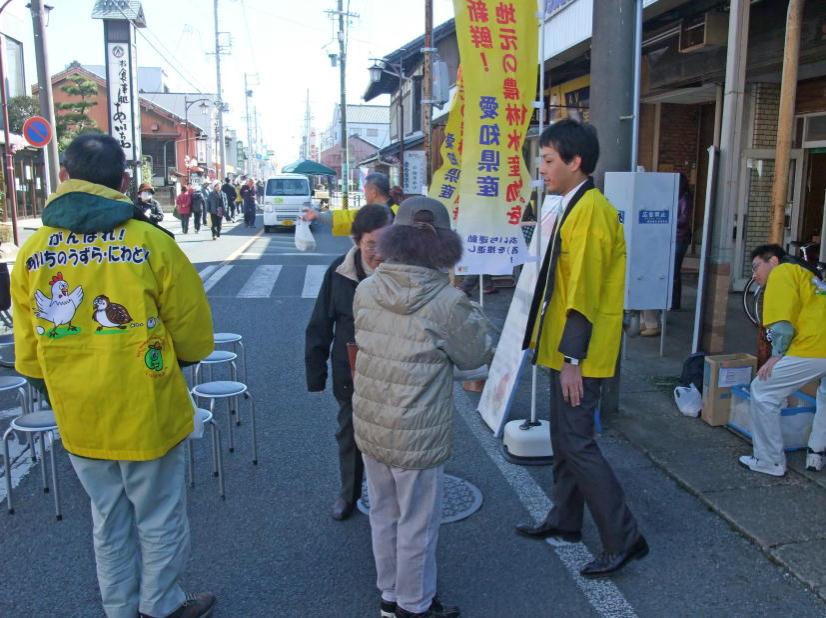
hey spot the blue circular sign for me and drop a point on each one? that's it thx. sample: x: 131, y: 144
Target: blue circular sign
x: 37, y: 131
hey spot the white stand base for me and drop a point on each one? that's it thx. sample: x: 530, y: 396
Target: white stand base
x: 528, y: 445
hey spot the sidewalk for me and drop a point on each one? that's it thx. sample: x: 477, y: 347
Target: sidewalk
x: 784, y: 517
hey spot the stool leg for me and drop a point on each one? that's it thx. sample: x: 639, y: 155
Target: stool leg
x: 57, y: 512
x: 26, y: 407
x: 220, y: 459
x: 43, y: 463
x: 254, y: 435
x: 196, y: 374
x: 7, y: 463
x: 191, y: 462
x: 231, y: 433
x: 233, y: 370
x: 216, y: 448
x: 243, y: 360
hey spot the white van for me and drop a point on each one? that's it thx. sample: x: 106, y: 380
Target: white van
x: 285, y: 198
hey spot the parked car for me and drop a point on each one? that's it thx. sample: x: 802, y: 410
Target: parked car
x: 285, y: 197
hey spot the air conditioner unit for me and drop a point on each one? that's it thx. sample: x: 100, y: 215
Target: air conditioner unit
x: 703, y: 31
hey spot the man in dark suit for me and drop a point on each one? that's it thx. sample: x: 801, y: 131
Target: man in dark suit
x: 574, y: 328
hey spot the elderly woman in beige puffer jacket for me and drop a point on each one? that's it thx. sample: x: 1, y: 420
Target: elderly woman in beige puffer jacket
x: 412, y: 328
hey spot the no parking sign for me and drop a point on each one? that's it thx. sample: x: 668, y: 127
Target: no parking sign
x: 37, y: 131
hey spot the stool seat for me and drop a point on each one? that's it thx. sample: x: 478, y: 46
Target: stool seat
x: 7, y: 339
x: 42, y: 420
x: 219, y: 356
x: 219, y: 389
x: 227, y: 337
x: 203, y: 415
x: 11, y: 382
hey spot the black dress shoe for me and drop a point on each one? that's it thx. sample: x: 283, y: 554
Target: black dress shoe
x: 342, y: 509
x: 606, y: 563
x: 544, y: 531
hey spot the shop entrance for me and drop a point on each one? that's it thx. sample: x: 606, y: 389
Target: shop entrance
x: 814, y: 200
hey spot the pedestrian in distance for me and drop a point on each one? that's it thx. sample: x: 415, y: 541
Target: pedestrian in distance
x: 229, y: 192
x: 259, y: 190
x: 574, y: 329
x: 121, y: 401
x: 206, y: 189
x: 147, y: 204
x: 794, y: 313
x: 412, y: 328
x: 247, y: 192
x: 376, y: 191
x: 217, y: 206
x: 198, y: 207
x: 183, y: 206
x: 330, y: 330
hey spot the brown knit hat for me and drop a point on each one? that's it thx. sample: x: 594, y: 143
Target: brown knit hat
x: 146, y: 186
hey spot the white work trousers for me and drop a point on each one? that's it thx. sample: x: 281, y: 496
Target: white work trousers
x: 141, y: 531
x: 405, y: 514
x: 788, y: 375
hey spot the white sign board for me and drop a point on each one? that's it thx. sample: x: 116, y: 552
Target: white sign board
x: 414, y: 172
x: 495, y: 403
x: 124, y: 123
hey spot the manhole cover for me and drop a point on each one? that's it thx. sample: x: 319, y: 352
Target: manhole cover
x: 461, y: 499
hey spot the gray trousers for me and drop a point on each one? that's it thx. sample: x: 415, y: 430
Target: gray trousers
x: 405, y: 513
x: 766, y: 397
x: 350, y: 463
x: 581, y: 473
x: 140, y: 531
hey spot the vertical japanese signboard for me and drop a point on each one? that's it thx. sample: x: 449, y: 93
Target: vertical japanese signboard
x: 124, y: 107
x: 498, y: 42
x: 414, y: 172
x: 445, y: 185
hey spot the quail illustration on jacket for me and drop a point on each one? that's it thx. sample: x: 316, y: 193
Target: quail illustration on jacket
x: 110, y: 315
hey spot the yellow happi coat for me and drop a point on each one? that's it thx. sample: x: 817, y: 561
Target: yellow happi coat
x: 104, y: 308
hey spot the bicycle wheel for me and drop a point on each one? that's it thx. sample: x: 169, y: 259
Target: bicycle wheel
x: 753, y: 302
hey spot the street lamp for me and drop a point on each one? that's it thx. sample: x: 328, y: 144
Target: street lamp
x: 187, y: 104
x: 380, y: 66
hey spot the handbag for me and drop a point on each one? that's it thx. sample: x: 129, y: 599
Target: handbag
x: 304, y: 240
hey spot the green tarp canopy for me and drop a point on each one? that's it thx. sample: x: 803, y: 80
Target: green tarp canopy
x: 310, y: 168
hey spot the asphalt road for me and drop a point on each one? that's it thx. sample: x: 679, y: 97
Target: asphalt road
x: 271, y: 549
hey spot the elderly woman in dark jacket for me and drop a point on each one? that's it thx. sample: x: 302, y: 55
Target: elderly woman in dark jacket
x: 217, y: 207
x: 328, y: 333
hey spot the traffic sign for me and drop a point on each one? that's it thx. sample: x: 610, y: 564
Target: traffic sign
x: 37, y: 131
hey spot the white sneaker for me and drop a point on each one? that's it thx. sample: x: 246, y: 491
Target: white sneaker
x: 755, y: 465
x: 814, y: 460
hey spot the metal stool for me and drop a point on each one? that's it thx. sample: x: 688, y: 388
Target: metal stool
x: 24, y: 395
x: 229, y: 390
x: 7, y: 344
x: 237, y: 346
x: 206, y: 418
x: 43, y: 423
x: 219, y: 357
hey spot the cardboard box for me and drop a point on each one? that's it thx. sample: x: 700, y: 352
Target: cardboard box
x: 811, y: 388
x: 720, y: 373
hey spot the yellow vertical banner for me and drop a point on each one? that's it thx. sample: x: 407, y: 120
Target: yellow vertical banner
x: 445, y: 183
x: 498, y: 41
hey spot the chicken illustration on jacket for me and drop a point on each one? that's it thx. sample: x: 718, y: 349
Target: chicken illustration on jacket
x: 108, y: 314
x: 61, y: 307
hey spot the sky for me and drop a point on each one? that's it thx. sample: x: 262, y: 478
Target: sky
x: 284, y: 42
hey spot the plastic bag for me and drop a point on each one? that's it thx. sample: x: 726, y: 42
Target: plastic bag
x: 688, y: 400
x: 304, y: 240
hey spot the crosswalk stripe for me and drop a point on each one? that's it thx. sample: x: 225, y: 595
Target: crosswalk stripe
x: 261, y: 283
x: 312, y: 280
x: 215, y: 278
x: 206, y: 272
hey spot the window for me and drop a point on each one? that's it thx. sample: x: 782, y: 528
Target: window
x: 288, y: 186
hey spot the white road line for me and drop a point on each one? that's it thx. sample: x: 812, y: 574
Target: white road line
x: 261, y: 283
x: 206, y: 272
x: 313, y: 277
x: 289, y: 254
x: 603, y: 595
x: 215, y: 278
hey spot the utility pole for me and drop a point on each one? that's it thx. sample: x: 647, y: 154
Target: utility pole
x: 305, y: 148
x: 222, y: 147
x: 785, y: 121
x: 247, y: 94
x: 345, y: 146
x: 45, y: 92
x: 612, y: 110
x: 427, y: 91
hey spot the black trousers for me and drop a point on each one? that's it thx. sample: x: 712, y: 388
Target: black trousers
x: 196, y: 220
x: 581, y: 473
x: 185, y: 223
x: 682, y: 248
x: 216, y: 225
x: 350, y: 463
x: 249, y: 215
